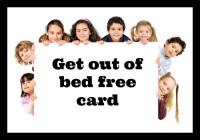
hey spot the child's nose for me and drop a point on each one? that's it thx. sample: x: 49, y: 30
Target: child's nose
x: 25, y: 55
x: 25, y: 85
x: 54, y: 36
x: 81, y: 32
x: 173, y: 52
x: 163, y: 89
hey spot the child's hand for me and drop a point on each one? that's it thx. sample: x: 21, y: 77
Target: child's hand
x: 33, y: 58
x: 144, y: 41
x: 33, y: 97
x: 86, y: 42
x: 45, y: 42
x: 76, y: 42
x: 129, y: 42
x: 33, y: 53
x: 158, y: 62
x: 101, y: 42
x: 160, y: 96
x: 61, y: 42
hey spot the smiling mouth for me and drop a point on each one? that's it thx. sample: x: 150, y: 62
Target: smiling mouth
x: 54, y: 41
x: 27, y: 58
x: 82, y: 37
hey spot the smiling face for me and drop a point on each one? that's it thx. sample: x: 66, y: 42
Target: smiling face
x: 144, y: 32
x: 28, y: 86
x: 27, y: 55
x: 116, y: 31
x: 166, y: 85
x: 172, y: 49
x: 82, y: 32
x: 54, y: 33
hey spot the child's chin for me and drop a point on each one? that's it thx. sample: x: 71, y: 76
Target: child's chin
x: 54, y: 41
x: 28, y: 61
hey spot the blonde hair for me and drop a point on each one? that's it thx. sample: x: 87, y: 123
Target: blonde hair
x: 20, y: 46
x: 169, y: 96
x: 134, y: 36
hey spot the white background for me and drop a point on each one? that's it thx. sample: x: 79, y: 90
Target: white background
x: 29, y: 24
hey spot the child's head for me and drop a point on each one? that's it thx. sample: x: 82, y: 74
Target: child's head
x: 83, y: 30
x: 55, y: 30
x: 116, y: 28
x: 27, y: 84
x: 174, y: 46
x: 24, y: 52
x: 166, y: 85
x: 143, y: 30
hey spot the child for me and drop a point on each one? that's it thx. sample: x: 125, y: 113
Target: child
x: 166, y: 85
x: 116, y: 28
x: 174, y: 46
x: 28, y: 96
x: 24, y: 52
x: 83, y: 31
x: 54, y: 33
x: 143, y: 32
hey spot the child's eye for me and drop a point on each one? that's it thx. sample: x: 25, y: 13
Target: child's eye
x: 168, y: 89
x: 85, y: 29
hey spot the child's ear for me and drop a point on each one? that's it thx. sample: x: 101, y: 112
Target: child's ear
x: 34, y: 82
x: 135, y: 32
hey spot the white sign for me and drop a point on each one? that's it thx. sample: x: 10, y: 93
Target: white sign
x: 89, y: 88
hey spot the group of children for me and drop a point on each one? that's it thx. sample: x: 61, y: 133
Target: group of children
x: 83, y: 31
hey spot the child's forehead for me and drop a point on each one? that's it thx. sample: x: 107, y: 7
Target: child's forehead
x: 23, y: 49
x: 26, y: 79
x: 142, y: 26
x: 25, y: 46
x: 116, y: 24
x: 169, y: 79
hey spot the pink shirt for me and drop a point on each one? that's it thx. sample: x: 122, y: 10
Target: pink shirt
x: 28, y: 104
